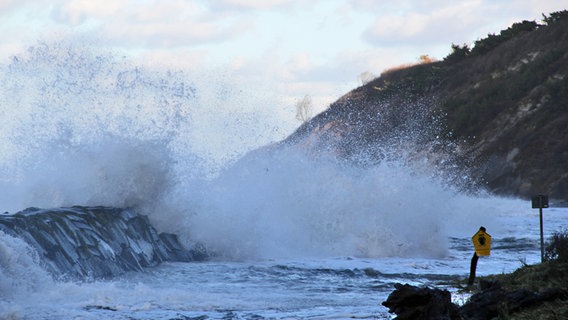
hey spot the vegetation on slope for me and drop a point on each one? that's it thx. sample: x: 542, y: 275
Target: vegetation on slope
x: 501, y: 108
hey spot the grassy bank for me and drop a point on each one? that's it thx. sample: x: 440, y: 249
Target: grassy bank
x: 537, y: 278
x: 552, y: 273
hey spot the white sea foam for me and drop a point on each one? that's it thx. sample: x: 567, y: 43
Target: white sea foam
x: 20, y: 275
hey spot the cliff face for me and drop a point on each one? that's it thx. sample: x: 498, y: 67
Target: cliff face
x: 498, y: 112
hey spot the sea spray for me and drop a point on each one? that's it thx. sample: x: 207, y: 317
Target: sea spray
x: 281, y: 202
x: 85, y: 127
x: 311, y: 197
x: 111, y: 172
x: 80, y: 125
x: 88, y: 128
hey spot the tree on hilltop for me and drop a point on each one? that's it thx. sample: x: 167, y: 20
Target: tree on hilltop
x: 555, y: 16
x: 304, y: 109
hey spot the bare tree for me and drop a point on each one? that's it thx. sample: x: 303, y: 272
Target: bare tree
x: 424, y: 58
x: 366, y: 77
x: 304, y: 109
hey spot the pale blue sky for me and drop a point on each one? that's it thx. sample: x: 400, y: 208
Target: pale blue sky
x: 318, y: 47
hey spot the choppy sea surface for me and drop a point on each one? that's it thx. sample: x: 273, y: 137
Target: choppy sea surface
x: 308, y: 288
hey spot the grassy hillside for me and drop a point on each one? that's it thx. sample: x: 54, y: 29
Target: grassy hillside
x: 498, y: 110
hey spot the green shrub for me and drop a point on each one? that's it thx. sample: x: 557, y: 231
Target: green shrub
x: 458, y: 53
x: 555, y: 16
x: 557, y: 247
x: 485, y: 45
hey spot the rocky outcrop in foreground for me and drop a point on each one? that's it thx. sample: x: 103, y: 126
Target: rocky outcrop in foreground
x: 96, y: 242
x: 410, y: 302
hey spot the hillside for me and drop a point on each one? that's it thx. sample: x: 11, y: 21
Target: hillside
x: 494, y: 116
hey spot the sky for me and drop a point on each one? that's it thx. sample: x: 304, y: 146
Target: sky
x: 318, y: 48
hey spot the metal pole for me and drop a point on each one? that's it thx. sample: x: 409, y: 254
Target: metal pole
x: 541, y: 235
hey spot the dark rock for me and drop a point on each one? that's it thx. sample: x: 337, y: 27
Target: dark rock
x: 420, y: 303
x: 95, y: 241
x: 176, y: 250
x: 95, y: 307
x: 485, y: 304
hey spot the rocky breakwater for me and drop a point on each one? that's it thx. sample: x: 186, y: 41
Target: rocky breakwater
x: 95, y: 242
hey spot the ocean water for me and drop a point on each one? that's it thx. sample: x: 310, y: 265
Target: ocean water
x: 340, y: 287
x: 295, y: 234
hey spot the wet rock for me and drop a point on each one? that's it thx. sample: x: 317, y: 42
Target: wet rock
x: 420, y: 303
x: 95, y: 242
x: 485, y: 304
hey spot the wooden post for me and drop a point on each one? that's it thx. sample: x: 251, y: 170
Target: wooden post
x: 540, y: 201
x: 472, y: 269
